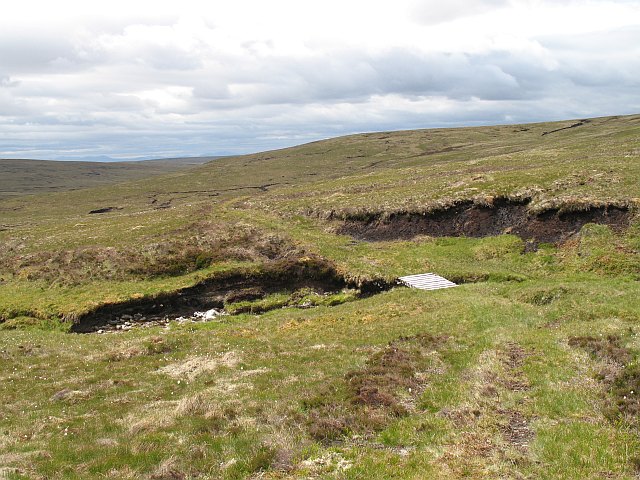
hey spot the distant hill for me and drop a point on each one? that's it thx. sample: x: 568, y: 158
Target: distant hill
x: 23, y: 176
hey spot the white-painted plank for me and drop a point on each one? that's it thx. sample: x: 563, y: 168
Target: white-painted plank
x: 426, y: 281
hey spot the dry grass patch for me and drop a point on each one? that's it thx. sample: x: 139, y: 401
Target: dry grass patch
x: 193, y: 367
x: 153, y: 417
x: 70, y: 396
x: 7, y: 473
x: 193, y: 405
x: 168, y: 470
x: 331, y: 464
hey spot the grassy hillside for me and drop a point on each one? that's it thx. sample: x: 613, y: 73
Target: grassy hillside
x: 21, y: 177
x: 321, y: 369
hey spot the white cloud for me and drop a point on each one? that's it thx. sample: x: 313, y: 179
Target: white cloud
x: 432, y: 12
x: 153, y: 78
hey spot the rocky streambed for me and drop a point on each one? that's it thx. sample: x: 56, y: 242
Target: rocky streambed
x: 127, y: 322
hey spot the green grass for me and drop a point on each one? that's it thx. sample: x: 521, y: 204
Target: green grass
x: 524, y: 376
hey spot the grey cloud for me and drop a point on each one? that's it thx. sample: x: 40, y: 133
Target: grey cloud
x: 350, y: 76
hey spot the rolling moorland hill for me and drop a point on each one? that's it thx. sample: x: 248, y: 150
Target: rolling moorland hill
x: 23, y: 177
x: 311, y: 361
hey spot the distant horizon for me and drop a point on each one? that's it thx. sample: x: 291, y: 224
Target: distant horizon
x: 103, y: 159
x: 144, y: 158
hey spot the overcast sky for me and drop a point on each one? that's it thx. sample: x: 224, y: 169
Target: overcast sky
x: 183, y: 78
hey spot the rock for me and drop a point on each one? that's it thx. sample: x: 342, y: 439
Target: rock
x: 67, y: 395
x: 62, y: 395
x: 206, y: 316
x: 126, y: 317
x: 100, y: 331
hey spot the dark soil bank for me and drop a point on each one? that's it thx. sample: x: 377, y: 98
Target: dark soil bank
x: 283, y: 275
x: 470, y: 220
x: 237, y: 286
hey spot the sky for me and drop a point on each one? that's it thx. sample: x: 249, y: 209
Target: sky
x: 149, y: 79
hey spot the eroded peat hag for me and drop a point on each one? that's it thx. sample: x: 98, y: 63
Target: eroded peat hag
x: 469, y: 219
x: 294, y: 279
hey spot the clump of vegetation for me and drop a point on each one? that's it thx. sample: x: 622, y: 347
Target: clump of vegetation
x: 625, y: 393
x: 624, y: 387
x: 544, y: 296
x: 270, y: 302
x: 370, y: 397
x: 21, y: 321
x: 608, y: 347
